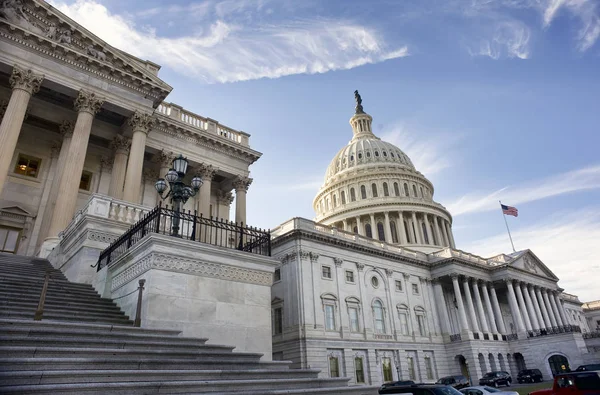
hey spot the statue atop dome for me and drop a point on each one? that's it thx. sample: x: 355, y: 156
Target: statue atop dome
x: 359, y: 108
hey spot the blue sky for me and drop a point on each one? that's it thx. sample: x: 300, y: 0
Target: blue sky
x: 492, y: 99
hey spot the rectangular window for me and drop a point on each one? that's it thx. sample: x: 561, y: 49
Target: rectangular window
x: 277, y: 275
x: 85, y: 182
x: 277, y: 321
x: 386, y: 366
x: 398, y: 285
x: 349, y: 276
x: 9, y: 240
x: 421, y: 323
x: 404, y: 323
x: 415, y: 289
x: 28, y: 166
x: 428, y: 368
x: 359, y: 370
x: 329, y: 317
x: 334, y: 367
x: 326, y: 271
x: 353, y: 314
x: 411, y: 367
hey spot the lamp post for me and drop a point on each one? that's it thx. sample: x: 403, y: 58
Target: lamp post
x: 179, y: 192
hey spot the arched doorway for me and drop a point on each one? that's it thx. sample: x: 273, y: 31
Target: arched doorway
x: 482, y: 364
x: 501, y: 363
x: 464, y: 366
x: 558, y: 364
x: 492, y: 362
x: 519, y: 361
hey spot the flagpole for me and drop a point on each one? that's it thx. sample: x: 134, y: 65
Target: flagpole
x: 508, y: 230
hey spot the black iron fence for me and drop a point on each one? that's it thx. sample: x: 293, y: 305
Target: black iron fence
x: 189, y: 226
x: 555, y: 330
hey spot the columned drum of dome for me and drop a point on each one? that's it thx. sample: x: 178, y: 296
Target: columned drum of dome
x: 372, y: 188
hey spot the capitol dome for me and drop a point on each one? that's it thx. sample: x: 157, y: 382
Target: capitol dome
x: 372, y: 188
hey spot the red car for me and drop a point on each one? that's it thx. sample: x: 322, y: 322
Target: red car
x: 574, y: 383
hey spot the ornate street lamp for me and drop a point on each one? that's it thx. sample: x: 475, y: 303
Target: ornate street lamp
x: 178, y: 192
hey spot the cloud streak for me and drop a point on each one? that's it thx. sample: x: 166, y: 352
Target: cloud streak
x: 587, y: 178
x: 230, y: 52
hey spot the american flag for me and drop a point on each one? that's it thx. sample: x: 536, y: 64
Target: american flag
x: 509, y: 210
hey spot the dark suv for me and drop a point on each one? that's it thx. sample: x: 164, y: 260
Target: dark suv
x: 592, y: 366
x: 457, y: 381
x: 495, y: 379
x: 421, y: 389
x: 530, y: 376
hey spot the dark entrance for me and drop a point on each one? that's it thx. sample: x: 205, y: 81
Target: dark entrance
x: 558, y: 364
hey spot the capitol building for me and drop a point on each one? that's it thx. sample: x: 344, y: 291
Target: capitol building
x: 373, y: 288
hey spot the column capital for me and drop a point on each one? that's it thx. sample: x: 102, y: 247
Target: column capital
x: 207, y: 172
x: 150, y: 174
x: 25, y: 80
x: 242, y: 183
x: 386, y: 214
x: 66, y: 129
x: 120, y: 144
x: 88, y: 102
x: 406, y: 276
x: 163, y: 158
x: 435, y: 281
x: 106, y: 163
x: 360, y: 266
x: 224, y: 197
x: 482, y: 283
x: 454, y: 276
x: 338, y: 261
x: 141, y: 122
x: 389, y: 272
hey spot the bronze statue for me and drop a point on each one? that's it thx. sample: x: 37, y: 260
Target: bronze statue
x: 359, y: 108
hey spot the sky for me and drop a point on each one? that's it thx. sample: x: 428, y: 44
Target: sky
x: 491, y: 99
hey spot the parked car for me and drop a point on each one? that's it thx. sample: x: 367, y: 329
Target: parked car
x: 591, y: 366
x: 457, y: 381
x: 484, y: 390
x: 574, y: 383
x: 496, y: 379
x: 421, y: 389
x: 400, y: 383
x: 530, y: 376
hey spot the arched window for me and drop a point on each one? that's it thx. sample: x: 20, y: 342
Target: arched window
x: 377, y: 153
x: 374, y: 189
x: 378, y: 317
x: 394, y: 232
x: 422, y: 192
x: 368, y: 231
x: 334, y: 201
x: 404, y: 318
x: 425, y: 235
x: 352, y: 195
x: 414, y: 190
x: 343, y: 194
x: 363, y: 192
x: 406, y: 189
x: 380, y: 232
x: 386, y: 191
x: 396, y: 189
x: 368, y: 154
x: 421, y: 320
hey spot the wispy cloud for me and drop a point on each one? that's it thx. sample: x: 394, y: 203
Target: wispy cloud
x: 573, y: 181
x: 588, y: 13
x: 563, y: 243
x: 229, y: 51
x: 510, y: 38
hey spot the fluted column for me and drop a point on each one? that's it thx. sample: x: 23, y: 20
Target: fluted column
x: 87, y: 105
x: 428, y: 228
x: 488, y: 307
x: 402, y: 229
x: 549, y: 308
x: 141, y: 124
x: 120, y: 146
x: 164, y: 159
x: 536, y: 306
x: 450, y: 235
x: 464, y: 325
x: 444, y: 233
x: 361, y: 231
x: 388, y: 228
x: 241, y: 185
x: 552, y: 300
x: 484, y: 325
x: 24, y: 83
x: 438, y: 233
x: 373, y: 226
x: 522, y: 306
x: 514, y: 307
x: 207, y: 172
x: 530, y: 309
x: 441, y: 306
x: 345, y: 224
x: 559, y: 307
x: 471, y: 308
x: 540, y: 299
x: 416, y: 229
x: 497, y: 311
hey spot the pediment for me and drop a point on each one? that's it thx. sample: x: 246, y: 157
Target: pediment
x: 14, y: 209
x: 37, y: 25
x: 527, y: 260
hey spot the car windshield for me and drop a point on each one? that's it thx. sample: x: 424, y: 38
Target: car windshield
x: 446, y: 391
x: 490, y: 389
x: 489, y: 375
x: 444, y: 381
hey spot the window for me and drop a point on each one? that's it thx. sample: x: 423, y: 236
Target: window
x: 343, y: 194
x: 28, y: 166
x: 384, y: 154
x: 411, y: 367
x: 415, y: 289
x: 85, y: 182
x: 421, y: 324
x: 352, y: 195
x: 359, y: 370
x: 375, y: 282
x: 392, y: 154
x: 349, y: 276
x: 380, y: 233
x: 386, y: 190
x: 278, y: 321
x: 414, y: 190
x: 368, y: 230
x: 277, y: 275
x: 351, y: 158
x: 403, y: 315
x: 329, y: 317
x: 368, y: 154
x: 360, y: 155
x: 428, y: 368
x: 377, y: 153
x: 421, y: 191
x: 396, y: 189
x: 9, y: 240
x: 374, y: 190
x: 334, y: 200
x: 398, y: 285
x: 363, y: 192
x: 378, y: 317
x: 334, y: 367
x: 386, y: 366
x: 353, y: 317
x: 394, y: 232
x: 326, y: 271
x: 406, y: 189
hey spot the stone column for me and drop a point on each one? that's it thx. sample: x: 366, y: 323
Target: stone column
x: 547, y: 321
x: 549, y: 307
x: 438, y: 233
x: 361, y: 231
x: 561, y: 309
x: 120, y: 145
x: 514, y: 307
x: 536, y: 307
x: 432, y: 307
x: 164, y: 159
x: 522, y: 306
x: 441, y: 306
x: 428, y: 227
x: 559, y: 318
x: 24, y: 84
x: 488, y: 307
x: 470, y: 306
x: 484, y: 325
x: 345, y: 225
x: 530, y: 309
x: 417, y: 233
x: 450, y: 235
x: 464, y: 325
x: 373, y: 227
x: 402, y: 228
x: 241, y: 185
x: 444, y: 233
x: 497, y: 311
x: 141, y: 124
x: 388, y: 228
x: 87, y: 105
x: 207, y: 172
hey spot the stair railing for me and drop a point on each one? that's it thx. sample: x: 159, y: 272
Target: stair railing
x: 40, y: 309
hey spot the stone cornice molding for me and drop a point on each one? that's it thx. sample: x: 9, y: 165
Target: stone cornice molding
x: 88, y: 102
x: 242, y: 183
x: 25, y: 80
x: 120, y: 144
x: 141, y: 122
x: 286, y: 258
x: 66, y: 129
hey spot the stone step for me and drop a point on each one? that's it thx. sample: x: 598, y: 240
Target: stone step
x: 23, y: 315
x: 37, y: 268
x: 66, y: 312
x: 54, y: 276
x: 26, y: 295
x: 9, y: 258
x: 6, y: 298
x: 52, y: 289
x: 12, y: 279
x: 67, y: 326
x: 51, y: 305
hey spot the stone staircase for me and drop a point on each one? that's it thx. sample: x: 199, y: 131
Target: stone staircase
x: 86, y: 345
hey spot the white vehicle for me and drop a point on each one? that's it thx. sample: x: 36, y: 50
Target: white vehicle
x: 485, y: 390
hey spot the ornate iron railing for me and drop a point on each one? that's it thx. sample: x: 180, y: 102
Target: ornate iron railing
x: 555, y: 330
x: 189, y: 226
